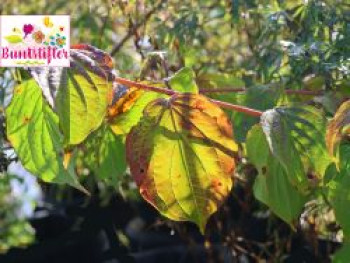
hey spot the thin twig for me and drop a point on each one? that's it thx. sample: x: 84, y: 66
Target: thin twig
x: 289, y: 92
x: 130, y: 83
x: 304, y: 92
x: 239, y: 108
x: 132, y: 29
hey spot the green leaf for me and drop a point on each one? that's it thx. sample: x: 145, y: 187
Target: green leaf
x: 272, y: 186
x: 32, y: 128
x: 274, y: 189
x: 338, y: 189
x: 219, y: 80
x: 184, y: 81
x: 82, y: 91
x: 296, y: 139
x: 312, y: 82
x: 181, y: 157
x: 105, y: 154
x: 257, y: 147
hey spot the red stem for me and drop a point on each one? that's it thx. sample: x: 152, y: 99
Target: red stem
x: 230, y: 106
x: 239, y: 108
x: 135, y: 84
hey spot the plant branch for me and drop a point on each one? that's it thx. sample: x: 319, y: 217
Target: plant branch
x: 304, y: 92
x: 226, y: 105
x: 289, y: 92
x: 130, y: 83
x: 133, y: 28
x: 239, y: 108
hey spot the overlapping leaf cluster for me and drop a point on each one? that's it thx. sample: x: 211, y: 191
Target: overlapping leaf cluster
x: 181, y: 149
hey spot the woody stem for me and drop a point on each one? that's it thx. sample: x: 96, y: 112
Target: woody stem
x: 226, y: 105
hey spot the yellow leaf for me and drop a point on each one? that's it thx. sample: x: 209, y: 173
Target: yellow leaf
x: 338, y: 127
x: 181, y: 157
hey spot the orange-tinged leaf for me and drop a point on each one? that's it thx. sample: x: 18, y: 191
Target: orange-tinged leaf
x: 126, y: 106
x: 338, y: 127
x: 181, y: 157
x: 124, y: 102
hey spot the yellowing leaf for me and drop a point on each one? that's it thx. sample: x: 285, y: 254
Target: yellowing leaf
x: 78, y: 94
x: 181, y: 157
x: 13, y: 39
x: 32, y: 128
x: 338, y: 127
x: 124, y: 101
x: 127, y: 110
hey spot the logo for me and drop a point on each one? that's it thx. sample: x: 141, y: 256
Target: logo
x: 34, y: 41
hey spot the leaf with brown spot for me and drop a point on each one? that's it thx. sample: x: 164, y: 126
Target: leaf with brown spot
x: 32, y: 128
x: 126, y: 106
x: 122, y: 100
x: 272, y: 186
x: 181, y: 157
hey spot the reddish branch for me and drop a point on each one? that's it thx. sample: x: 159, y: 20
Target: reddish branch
x: 239, y: 108
x: 222, y: 104
x: 130, y: 83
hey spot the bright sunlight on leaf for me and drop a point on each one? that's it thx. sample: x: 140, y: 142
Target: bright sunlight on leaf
x: 78, y: 94
x: 181, y: 157
x: 127, y: 110
x: 32, y: 128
